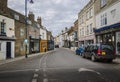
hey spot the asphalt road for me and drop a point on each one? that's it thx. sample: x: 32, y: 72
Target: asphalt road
x: 61, y: 65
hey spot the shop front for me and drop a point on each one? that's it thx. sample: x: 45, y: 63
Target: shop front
x: 50, y: 45
x: 109, y: 34
x: 43, y: 45
x: 34, y: 45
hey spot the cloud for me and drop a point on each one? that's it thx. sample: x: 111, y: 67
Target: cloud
x: 56, y: 14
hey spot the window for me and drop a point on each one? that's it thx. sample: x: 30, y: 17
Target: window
x: 21, y: 46
x: 87, y: 30
x: 43, y: 35
x: 87, y: 15
x: 82, y: 32
x: 16, y: 16
x: 113, y: 13
x: 104, y: 19
x: 103, y: 3
x: 3, y: 28
x: 21, y: 32
x: 82, y: 19
x: 91, y: 28
x: 90, y: 12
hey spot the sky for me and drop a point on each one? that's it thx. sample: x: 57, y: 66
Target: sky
x: 55, y: 14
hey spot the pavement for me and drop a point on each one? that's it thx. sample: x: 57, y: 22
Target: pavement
x: 22, y: 57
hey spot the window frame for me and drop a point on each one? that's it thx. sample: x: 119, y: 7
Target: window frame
x: 3, y: 28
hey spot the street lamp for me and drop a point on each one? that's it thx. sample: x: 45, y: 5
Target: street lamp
x: 26, y: 40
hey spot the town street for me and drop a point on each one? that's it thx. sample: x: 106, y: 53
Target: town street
x: 61, y: 65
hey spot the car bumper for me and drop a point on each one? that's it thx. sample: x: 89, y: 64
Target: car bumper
x: 106, y: 57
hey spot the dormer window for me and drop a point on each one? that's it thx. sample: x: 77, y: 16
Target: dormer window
x: 103, y: 3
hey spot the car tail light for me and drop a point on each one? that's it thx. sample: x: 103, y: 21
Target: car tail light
x: 99, y: 52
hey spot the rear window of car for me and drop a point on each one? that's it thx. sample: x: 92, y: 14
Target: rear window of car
x: 107, y: 46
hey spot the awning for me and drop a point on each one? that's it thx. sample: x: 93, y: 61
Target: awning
x: 107, y: 27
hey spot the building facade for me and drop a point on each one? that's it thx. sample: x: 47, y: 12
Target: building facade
x: 43, y: 41
x: 86, y: 23
x: 108, y: 22
x: 33, y: 34
x: 50, y: 40
x: 7, y: 38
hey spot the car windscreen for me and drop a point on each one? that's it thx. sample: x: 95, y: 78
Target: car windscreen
x: 108, y: 47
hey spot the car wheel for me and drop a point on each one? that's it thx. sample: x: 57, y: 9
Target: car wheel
x: 93, y: 58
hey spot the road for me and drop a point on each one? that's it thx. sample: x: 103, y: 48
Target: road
x: 61, y: 65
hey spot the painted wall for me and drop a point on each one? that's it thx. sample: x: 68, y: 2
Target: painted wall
x: 111, y: 18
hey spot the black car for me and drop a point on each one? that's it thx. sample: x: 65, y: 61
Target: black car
x: 56, y: 46
x: 100, y: 51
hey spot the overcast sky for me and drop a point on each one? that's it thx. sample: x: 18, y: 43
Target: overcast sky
x: 55, y: 14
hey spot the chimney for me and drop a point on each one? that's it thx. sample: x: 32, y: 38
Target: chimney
x: 3, y: 6
x: 39, y: 21
x: 31, y: 16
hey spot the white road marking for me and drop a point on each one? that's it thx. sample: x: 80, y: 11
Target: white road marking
x: 85, y: 69
x: 45, y: 80
x: 35, y: 76
x: 34, y: 80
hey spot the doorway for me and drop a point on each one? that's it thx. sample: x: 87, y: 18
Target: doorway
x: 8, y: 50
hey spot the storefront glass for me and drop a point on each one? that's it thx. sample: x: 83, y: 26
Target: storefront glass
x: 118, y: 43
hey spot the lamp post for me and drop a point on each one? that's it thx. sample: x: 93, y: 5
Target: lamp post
x: 26, y: 40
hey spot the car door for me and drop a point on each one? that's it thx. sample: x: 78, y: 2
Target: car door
x: 87, y: 51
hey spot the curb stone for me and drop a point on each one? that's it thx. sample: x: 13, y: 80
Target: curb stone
x: 22, y: 57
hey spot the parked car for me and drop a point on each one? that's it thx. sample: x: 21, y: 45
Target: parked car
x: 100, y: 51
x: 79, y: 50
x: 56, y: 46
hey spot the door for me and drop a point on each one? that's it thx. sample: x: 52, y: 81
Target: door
x: 8, y: 50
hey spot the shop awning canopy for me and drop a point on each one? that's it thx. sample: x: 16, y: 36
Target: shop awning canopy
x: 107, y: 27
